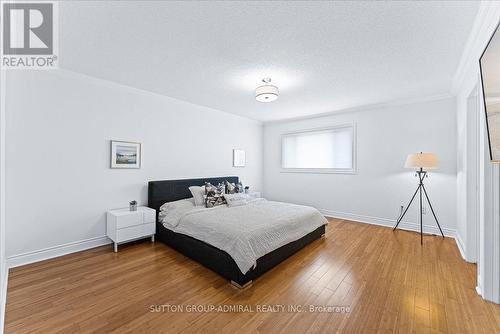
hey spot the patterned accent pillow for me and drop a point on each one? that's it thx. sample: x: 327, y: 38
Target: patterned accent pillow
x: 214, y: 196
x: 230, y: 188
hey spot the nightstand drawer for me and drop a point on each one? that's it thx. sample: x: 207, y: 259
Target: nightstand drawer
x: 128, y: 220
x: 133, y: 232
x: 149, y: 217
x: 149, y: 229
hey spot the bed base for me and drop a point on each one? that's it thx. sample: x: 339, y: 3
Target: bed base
x: 160, y: 192
x: 222, y: 263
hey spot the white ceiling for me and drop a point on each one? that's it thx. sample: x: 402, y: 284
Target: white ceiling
x: 323, y: 56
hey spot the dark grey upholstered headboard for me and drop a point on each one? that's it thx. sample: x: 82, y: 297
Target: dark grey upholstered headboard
x: 160, y: 192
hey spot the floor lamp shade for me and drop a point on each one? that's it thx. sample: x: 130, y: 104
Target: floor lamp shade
x: 422, y: 160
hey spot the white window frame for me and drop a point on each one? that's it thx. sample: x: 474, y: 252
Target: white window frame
x: 352, y: 170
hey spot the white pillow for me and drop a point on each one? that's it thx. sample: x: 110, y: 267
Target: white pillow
x: 236, y: 199
x: 198, y: 195
x: 183, y: 203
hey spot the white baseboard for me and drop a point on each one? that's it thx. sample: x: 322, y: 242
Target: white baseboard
x: 56, y: 251
x: 404, y: 225
x: 461, y: 247
x: 478, y: 290
x: 3, y: 296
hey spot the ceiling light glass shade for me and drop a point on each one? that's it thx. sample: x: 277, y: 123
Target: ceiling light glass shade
x: 422, y: 160
x: 266, y: 93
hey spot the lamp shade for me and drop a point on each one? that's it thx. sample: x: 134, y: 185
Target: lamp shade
x: 422, y: 160
x: 266, y: 93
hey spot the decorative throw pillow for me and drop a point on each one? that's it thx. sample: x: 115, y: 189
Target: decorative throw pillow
x: 236, y: 199
x: 230, y: 187
x: 214, y: 196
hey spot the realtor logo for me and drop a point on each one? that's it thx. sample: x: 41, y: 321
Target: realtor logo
x: 29, y: 35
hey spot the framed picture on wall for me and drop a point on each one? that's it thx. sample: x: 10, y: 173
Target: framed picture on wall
x: 125, y: 154
x: 238, y: 158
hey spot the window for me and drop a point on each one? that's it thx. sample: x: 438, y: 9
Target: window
x: 330, y: 150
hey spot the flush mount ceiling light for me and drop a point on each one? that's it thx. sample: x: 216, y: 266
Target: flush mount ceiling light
x: 266, y: 92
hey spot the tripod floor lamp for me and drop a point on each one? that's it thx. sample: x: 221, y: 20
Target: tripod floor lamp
x: 421, y: 162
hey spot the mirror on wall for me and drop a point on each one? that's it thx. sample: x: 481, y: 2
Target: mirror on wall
x: 490, y: 75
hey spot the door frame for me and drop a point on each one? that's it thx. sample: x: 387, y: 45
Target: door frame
x: 473, y: 158
x: 488, y: 280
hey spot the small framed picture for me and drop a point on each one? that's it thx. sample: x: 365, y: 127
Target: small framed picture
x: 125, y: 154
x: 238, y: 158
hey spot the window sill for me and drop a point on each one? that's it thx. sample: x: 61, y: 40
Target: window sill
x: 318, y: 171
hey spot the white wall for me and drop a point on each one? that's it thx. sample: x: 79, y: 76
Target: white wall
x: 58, y: 176
x: 385, y: 136
x: 488, y: 184
x: 3, y: 266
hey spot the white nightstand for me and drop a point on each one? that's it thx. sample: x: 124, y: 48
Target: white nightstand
x: 254, y: 194
x: 123, y: 225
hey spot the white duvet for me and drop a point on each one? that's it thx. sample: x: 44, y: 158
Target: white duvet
x: 245, y: 232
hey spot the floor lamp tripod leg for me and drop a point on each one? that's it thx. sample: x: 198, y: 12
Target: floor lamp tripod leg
x: 421, y: 223
x: 432, y: 210
x: 407, y: 207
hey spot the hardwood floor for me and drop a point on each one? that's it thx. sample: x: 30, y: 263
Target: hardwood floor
x: 389, y: 282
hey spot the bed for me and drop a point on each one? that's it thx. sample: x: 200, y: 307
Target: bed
x: 215, y: 258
